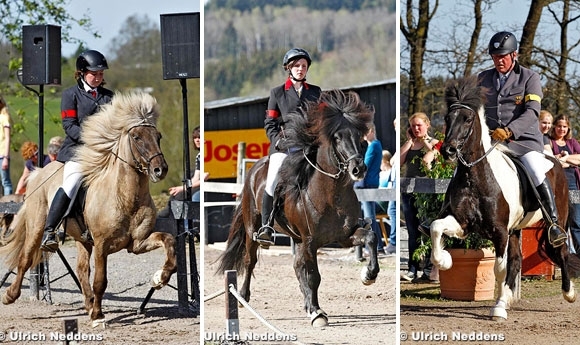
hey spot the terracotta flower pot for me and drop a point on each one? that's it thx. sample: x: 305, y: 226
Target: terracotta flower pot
x: 471, y: 277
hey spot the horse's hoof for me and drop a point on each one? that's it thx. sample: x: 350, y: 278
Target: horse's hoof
x: 446, y: 261
x: 498, y: 314
x: 319, y: 319
x: 364, y: 276
x: 570, y: 296
x: 98, y: 323
x: 156, y: 281
x: 6, y: 299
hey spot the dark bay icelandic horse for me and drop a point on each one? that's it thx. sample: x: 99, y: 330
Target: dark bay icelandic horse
x: 121, y: 154
x: 319, y: 204
x: 486, y: 196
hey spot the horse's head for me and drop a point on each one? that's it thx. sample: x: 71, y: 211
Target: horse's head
x: 347, y: 143
x: 344, y: 121
x: 462, y: 123
x: 145, y: 147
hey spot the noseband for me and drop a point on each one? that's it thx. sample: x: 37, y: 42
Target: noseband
x: 462, y: 141
x: 133, y: 144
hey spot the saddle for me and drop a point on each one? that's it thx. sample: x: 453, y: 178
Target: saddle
x: 529, y: 203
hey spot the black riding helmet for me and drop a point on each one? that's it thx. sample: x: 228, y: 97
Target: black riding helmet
x: 502, y: 43
x: 91, y: 60
x: 295, y: 54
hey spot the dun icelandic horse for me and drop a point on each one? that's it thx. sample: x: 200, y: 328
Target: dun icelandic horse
x: 317, y: 202
x: 121, y: 153
x: 487, y: 196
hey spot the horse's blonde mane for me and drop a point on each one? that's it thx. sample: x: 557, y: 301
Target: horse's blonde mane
x: 102, y: 132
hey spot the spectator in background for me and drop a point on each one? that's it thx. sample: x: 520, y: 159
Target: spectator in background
x: 5, y: 147
x: 567, y: 150
x: 418, y: 143
x: 387, y: 180
x: 373, y: 158
x: 546, y: 120
x: 53, y: 148
x: 29, y: 152
x: 177, y: 192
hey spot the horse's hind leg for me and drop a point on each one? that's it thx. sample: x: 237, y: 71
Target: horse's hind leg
x: 250, y: 260
x: 84, y: 271
x: 99, y: 286
x: 154, y: 241
x: 13, y: 291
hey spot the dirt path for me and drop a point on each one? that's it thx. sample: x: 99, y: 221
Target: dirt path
x: 129, y: 278
x: 541, y: 317
x: 358, y: 314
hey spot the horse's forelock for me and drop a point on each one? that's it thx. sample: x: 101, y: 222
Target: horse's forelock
x: 340, y: 109
x: 464, y: 91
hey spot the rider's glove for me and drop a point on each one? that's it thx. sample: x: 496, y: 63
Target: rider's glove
x: 501, y: 134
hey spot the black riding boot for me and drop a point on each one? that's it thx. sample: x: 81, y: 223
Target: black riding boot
x: 556, y: 235
x: 265, y: 233
x: 57, y: 210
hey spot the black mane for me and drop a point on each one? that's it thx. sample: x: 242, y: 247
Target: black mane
x: 314, y: 126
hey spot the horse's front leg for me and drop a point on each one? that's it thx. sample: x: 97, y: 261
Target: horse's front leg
x: 99, y: 286
x: 84, y: 272
x: 366, y: 236
x: 153, y: 241
x: 450, y: 227
x: 306, y: 268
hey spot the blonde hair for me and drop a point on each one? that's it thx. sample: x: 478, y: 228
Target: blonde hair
x: 421, y: 116
x: 544, y: 114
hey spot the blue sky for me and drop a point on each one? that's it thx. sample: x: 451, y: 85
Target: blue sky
x: 108, y: 16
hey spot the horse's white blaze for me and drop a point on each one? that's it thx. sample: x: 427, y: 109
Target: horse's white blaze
x: 450, y: 227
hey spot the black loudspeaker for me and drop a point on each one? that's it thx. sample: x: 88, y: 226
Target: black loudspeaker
x: 180, y: 45
x: 41, y: 55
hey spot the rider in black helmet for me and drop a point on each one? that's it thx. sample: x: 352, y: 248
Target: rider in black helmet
x: 284, y: 99
x: 78, y: 102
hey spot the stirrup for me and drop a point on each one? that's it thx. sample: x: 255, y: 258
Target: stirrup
x: 264, y: 236
x: 49, y: 242
x: 561, y: 237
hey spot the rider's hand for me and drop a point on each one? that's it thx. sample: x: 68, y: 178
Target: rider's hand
x: 501, y: 134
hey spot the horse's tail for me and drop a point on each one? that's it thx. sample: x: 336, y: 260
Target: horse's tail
x: 232, y: 258
x: 16, y: 240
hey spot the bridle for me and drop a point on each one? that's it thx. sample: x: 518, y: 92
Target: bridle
x: 462, y: 141
x: 341, y: 163
x: 133, y: 145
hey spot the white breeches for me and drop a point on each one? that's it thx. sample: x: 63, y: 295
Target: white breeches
x: 71, y: 178
x: 538, y: 165
x: 276, y: 160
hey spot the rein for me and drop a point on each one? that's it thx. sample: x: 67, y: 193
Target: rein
x: 459, y: 154
x: 138, y: 166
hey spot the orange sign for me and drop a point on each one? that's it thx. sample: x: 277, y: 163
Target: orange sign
x: 221, y: 149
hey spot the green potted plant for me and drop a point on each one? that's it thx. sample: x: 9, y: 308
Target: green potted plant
x: 471, y: 277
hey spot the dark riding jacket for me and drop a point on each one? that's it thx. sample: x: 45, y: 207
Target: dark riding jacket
x: 283, y: 100
x: 76, y: 105
x: 516, y: 106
